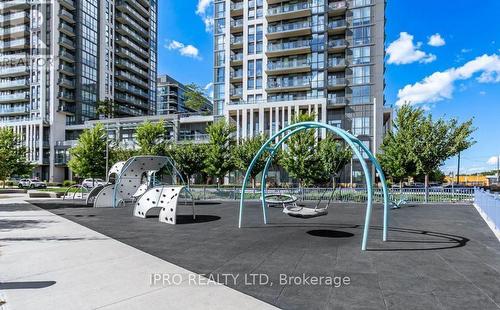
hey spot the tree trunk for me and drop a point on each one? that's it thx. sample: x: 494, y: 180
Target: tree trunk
x: 253, y: 181
x: 401, y: 187
x: 334, y: 182
x: 426, y: 188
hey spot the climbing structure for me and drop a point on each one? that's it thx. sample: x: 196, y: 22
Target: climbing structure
x: 130, y: 180
x: 166, y: 199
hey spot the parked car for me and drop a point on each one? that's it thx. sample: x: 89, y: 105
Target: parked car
x: 31, y: 183
x: 91, y: 183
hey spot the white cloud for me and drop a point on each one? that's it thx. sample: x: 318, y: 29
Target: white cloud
x: 440, y: 85
x: 185, y: 50
x: 205, y: 12
x: 436, y: 40
x: 482, y: 93
x: 404, y: 51
x: 492, y: 160
x: 465, y: 50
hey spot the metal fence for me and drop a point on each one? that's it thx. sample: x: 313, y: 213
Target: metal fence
x: 489, y: 204
x: 411, y: 195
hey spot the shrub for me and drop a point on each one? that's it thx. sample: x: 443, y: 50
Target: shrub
x: 68, y: 183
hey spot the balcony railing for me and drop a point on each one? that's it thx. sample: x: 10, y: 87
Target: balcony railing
x: 288, y: 64
x: 236, y: 40
x: 286, y: 83
x: 337, y: 23
x: 13, y: 97
x: 16, y: 109
x: 334, y: 62
x: 13, y: 70
x: 358, y: 3
x: 337, y: 43
x: 336, y: 81
x: 237, y: 57
x: 236, y: 6
x: 288, y: 45
x: 237, y: 92
x: 289, y: 27
x: 13, y: 43
x: 237, y: 74
x: 236, y: 23
x: 14, y: 83
x: 339, y: 5
x: 287, y: 8
x: 12, y: 30
x: 333, y: 100
x: 9, y: 17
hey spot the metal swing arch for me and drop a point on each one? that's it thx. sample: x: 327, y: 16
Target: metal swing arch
x: 352, y: 141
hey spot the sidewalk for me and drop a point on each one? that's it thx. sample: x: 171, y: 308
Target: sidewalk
x: 48, y: 262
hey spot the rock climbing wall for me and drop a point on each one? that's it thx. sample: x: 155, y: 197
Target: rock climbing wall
x: 165, y: 198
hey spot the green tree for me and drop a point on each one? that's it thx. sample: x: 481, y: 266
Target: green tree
x: 333, y: 156
x: 119, y: 153
x: 151, y: 138
x: 13, y: 156
x: 218, y: 161
x: 88, y: 157
x: 244, y: 153
x: 398, y: 147
x: 189, y: 159
x: 194, y: 97
x: 106, y: 108
x: 436, y: 141
x: 300, y: 157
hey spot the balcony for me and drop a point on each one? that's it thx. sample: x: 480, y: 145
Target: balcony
x: 68, y: 4
x: 236, y: 42
x: 289, y: 11
x: 14, y: 32
x: 6, y: 6
x: 66, y: 83
x: 336, y: 64
x: 236, y: 25
x: 338, y: 26
x: 236, y: 8
x: 16, y: 97
x: 196, y: 137
x: 289, y: 84
x: 124, y: 110
x: 236, y: 92
x: 14, y: 84
x: 123, y: 18
x: 66, y: 96
x: 67, y: 43
x: 337, y: 8
x: 67, y: 29
x: 125, y: 64
x: 67, y: 16
x: 14, y: 71
x: 126, y: 42
x: 6, y: 46
x: 66, y: 109
x: 123, y: 52
x: 286, y: 30
x: 139, y: 8
x: 236, y: 75
x: 16, y: 110
x: 128, y: 99
x: 337, y: 45
x: 236, y: 59
x: 132, y: 89
x: 288, y: 67
x: 14, y: 18
x: 337, y: 101
x: 336, y: 83
x: 122, y: 6
x: 68, y: 70
x: 122, y: 29
x: 124, y: 75
x: 66, y: 56
x: 288, y: 48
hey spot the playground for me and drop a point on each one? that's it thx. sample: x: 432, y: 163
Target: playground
x: 272, y: 251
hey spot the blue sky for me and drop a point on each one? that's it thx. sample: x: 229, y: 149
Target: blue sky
x: 466, y: 87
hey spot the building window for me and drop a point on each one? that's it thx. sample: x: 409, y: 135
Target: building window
x: 361, y: 55
x: 361, y: 16
x: 361, y: 35
x: 361, y: 75
x: 361, y: 94
x: 360, y: 126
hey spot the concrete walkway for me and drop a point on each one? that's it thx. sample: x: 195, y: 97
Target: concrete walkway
x: 48, y: 262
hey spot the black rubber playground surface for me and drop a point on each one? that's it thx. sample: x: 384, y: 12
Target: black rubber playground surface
x: 437, y: 257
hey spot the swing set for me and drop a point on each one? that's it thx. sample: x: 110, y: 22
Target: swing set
x: 289, y: 206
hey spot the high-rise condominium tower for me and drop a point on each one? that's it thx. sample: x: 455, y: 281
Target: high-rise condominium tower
x: 276, y: 58
x: 59, y: 58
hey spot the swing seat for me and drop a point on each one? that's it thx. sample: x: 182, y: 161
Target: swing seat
x: 305, y: 213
